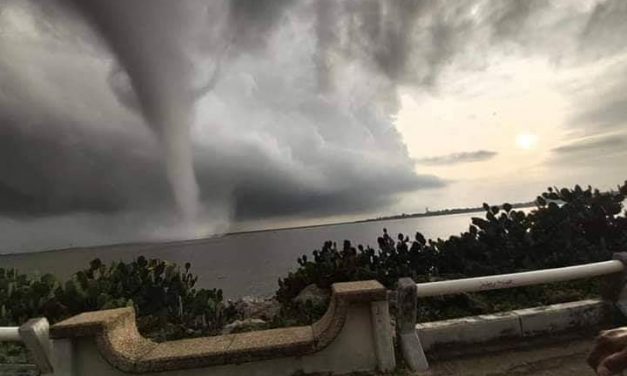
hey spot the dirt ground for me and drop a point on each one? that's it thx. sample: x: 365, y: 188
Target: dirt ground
x: 565, y: 355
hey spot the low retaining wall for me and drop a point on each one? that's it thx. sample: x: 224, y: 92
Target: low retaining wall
x: 513, y: 324
x: 354, y: 335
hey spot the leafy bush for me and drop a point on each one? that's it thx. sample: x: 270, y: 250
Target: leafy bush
x: 567, y: 227
x: 22, y: 297
x: 330, y: 265
x: 164, y: 297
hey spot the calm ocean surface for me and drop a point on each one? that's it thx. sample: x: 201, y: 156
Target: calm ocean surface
x: 240, y: 264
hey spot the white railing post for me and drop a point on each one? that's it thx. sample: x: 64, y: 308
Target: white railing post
x: 617, y: 289
x: 406, y: 311
x: 34, y: 334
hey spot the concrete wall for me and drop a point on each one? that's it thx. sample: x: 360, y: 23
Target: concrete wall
x: 88, y: 361
x: 352, y: 351
x: 354, y: 335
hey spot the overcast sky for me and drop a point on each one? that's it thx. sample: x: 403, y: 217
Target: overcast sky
x: 314, y: 111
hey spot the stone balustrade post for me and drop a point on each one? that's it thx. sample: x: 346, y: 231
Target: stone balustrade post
x: 383, y: 335
x: 34, y: 335
x: 406, y: 310
x: 615, y: 289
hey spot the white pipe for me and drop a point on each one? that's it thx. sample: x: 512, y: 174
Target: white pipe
x: 10, y: 333
x: 505, y: 281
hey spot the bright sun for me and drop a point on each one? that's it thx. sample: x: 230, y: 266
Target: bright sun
x: 526, y: 141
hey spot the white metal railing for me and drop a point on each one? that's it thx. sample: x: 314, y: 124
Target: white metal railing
x: 34, y: 335
x: 408, y: 292
x: 505, y: 281
x: 10, y: 334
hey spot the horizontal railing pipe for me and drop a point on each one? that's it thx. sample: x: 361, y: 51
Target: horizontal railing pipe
x: 10, y: 333
x: 505, y: 281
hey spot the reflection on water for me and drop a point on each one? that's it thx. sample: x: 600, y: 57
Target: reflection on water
x: 241, y: 264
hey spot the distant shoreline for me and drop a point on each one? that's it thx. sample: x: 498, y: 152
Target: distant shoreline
x: 150, y: 244
x: 520, y: 205
x: 435, y: 213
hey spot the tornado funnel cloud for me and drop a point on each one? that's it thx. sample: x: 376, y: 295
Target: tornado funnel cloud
x: 179, y: 164
x: 148, y: 39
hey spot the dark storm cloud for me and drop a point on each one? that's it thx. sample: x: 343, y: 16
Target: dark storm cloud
x: 290, y: 198
x: 407, y: 41
x: 457, y: 158
x: 603, y: 102
x: 296, y: 116
x: 607, y: 112
x: 600, y: 104
x: 61, y: 151
x: 75, y: 151
x: 607, y: 144
x: 252, y: 21
x: 605, y: 30
x: 253, y: 202
x: 412, y: 42
x: 510, y: 19
x: 43, y: 174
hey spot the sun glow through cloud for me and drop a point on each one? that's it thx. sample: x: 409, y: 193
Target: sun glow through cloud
x: 526, y: 141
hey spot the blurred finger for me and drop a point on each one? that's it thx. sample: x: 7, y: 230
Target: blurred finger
x: 603, y: 348
x: 607, y: 343
x: 613, y: 364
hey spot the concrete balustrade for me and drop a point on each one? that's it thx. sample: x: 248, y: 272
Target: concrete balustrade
x: 354, y: 335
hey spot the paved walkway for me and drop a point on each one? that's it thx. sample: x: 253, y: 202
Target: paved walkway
x: 557, y: 357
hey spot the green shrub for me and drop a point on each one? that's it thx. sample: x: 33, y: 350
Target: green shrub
x: 23, y: 297
x: 165, y: 300
x: 567, y: 227
x: 295, y: 314
x: 330, y: 264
